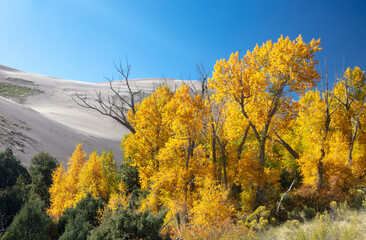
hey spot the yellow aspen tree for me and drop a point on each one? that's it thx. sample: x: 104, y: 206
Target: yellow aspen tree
x: 236, y: 168
x: 118, y: 198
x: 182, y: 160
x: 110, y: 172
x: 263, y: 82
x: 75, y: 165
x: 91, y: 179
x: 350, y: 91
x: 311, y: 130
x: 68, y: 182
x: 152, y: 131
x: 328, y: 126
x: 323, y: 161
x: 58, y: 193
x: 211, y: 206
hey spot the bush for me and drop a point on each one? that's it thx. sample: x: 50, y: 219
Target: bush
x: 129, y: 224
x: 259, y: 219
x: 77, y: 222
x: 31, y: 222
x: 223, y: 230
x: 129, y: 175
x: 14, y: 180
x: 41, y: 168
x: 10, y: 170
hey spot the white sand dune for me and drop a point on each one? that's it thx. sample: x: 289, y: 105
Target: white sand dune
x: 51, y: 121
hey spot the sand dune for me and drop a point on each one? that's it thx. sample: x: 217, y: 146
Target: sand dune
x: 51, y: 121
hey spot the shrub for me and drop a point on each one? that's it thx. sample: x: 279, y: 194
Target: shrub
x: 128, y: 224
x: 41, y: 168
x: 31, y: 222
x: 77, y: 222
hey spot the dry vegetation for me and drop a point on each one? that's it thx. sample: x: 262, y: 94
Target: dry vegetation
x: 16, y: 92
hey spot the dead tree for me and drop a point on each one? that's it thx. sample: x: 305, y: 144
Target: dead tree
x: 202, y: 75
x: 115, y: 104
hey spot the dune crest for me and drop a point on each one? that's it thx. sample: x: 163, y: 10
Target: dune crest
x: 47, y: 119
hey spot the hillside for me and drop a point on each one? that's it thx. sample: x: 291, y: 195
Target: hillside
x: 37, y: 114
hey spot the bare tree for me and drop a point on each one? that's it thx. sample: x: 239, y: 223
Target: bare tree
x: 202, y: 75
x: 115, y: 104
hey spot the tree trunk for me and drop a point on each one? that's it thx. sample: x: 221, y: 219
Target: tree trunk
x: 260, y: 193
x: 321, y: 172
x: 224, y: 159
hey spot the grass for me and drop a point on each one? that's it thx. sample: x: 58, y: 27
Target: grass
x: 17, y: 93
x: 340, y: 222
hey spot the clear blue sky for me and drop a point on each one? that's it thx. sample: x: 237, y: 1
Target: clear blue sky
x: 80, y: 39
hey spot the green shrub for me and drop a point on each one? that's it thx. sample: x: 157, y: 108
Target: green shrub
x: 31, y: 222
x: 41, y: 168
x: 76, y: 223
x: 129, y: 224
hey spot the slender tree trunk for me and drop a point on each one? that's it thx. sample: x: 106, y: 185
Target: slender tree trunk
x: 354, y: 134
x: 262, y: 151
x: 213, y: 146
x: 225, y: 173
x: 224, y: 160
x: 321, y: 170
x: 241, y: 146
x: 260, y: 193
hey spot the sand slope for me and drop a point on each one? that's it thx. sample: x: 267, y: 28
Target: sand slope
x: 51, y: 121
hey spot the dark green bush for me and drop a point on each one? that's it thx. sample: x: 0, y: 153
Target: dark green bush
x: 31, y: 222
x: 41, y: 168
x: 129, y: 224
x: 77, y: 222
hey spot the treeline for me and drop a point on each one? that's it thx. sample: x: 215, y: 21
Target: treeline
x: 24, y: 195
x: 265, y: 140
x: 90, y: 201
x: 233, y: 147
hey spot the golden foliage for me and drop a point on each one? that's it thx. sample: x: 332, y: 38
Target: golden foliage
x: 97, y: 176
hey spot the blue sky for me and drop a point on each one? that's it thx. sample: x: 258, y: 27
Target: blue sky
x: 80, y: 39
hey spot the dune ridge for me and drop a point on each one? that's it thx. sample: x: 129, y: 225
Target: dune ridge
x: 51, y: 121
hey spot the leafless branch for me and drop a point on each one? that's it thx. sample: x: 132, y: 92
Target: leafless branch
x: 114, y: 104
x: 279, y: 204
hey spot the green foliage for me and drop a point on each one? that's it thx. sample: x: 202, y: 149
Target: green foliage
x: 302, y: 214
x: 10, y: 169
x: 129, y: 224
x: 43, y: 164
x: 77, y: 222
x: 129, y: 175
x: 14, y: 180
x: 18, y: 93
x: 31, y: 222
x: 41, y: 168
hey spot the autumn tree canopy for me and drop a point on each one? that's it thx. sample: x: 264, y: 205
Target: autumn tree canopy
x: 264, y: 121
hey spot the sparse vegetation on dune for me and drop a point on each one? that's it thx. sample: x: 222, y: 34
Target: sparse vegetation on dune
x: 16, y: 92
